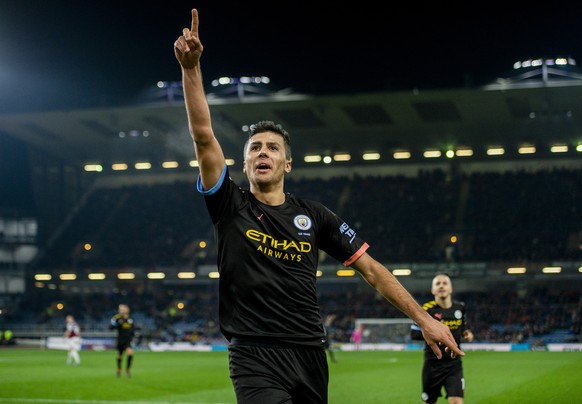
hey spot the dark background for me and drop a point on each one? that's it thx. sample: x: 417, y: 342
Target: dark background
x: 60, y: 54
x: 70, y: 54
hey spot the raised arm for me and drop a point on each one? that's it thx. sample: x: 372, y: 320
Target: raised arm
x: 188, y: 50
x: 435, y: 333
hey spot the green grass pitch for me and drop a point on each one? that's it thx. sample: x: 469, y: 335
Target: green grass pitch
x: 41, y: 376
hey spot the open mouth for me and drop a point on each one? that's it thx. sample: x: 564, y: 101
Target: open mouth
x: 263, y: 166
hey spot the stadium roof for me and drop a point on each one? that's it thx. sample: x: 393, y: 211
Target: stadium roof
x: 535, y: 109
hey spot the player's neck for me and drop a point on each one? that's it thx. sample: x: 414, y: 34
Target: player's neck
x: 273, y: 197
x: 269, y: 192
x: 444, y: 302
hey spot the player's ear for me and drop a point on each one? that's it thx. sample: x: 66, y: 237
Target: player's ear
x: 288, y: 166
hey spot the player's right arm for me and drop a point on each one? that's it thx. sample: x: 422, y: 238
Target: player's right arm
x: 380, y: 278
x: 188, y: 50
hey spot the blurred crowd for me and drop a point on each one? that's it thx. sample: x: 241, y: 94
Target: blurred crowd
x: 516, y: 215
x: 189, y: 313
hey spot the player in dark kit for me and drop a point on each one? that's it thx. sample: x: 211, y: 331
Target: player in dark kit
x: 447, y: 372
x: 125, y: 327
x: 268, y: 247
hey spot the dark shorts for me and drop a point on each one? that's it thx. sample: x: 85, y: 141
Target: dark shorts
x: 437, y: 374
x: 122, y: 346
x: 274, y: 374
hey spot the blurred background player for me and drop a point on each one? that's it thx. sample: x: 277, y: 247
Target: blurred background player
x: 73, y: 340
x: 356, y: 337
x: 125, y: 327
x: 448, y: 371
x: 329, y: 336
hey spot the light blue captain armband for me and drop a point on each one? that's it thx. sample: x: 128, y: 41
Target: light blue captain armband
x: 415, y: 327
x: 214, y: 188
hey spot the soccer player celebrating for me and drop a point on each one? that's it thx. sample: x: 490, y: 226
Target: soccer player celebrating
x: 268, y: 248
x: 448, y: 371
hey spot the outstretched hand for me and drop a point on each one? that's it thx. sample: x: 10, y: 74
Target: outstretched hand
x: 188, y: 47
x: 437, y: 334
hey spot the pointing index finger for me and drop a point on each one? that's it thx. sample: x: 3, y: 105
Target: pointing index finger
x: 194, y: 26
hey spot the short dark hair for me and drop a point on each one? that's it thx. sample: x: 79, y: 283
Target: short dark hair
x: 270, y: 126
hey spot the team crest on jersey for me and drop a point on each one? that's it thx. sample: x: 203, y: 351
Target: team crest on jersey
x: 302, y: 222
x: 458, y: 314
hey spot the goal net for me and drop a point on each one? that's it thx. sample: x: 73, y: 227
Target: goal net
x: 385, y: 330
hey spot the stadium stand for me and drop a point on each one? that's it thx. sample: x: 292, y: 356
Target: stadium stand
x: 406, y: 219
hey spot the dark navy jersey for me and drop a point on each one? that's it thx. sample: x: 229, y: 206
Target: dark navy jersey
x: 267, y: 260
x: 453, y: 317
x: 124, y: 326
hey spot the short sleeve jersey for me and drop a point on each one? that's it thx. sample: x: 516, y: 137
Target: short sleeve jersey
x: 453, y: 317
x: 268, y: 258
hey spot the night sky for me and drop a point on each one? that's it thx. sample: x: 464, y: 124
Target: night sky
x: 80, y: 54
x: 76, y: 54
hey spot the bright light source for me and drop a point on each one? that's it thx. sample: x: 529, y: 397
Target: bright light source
x: 143, y: 165
x: 516, y: 270
x: 371, y: 156
x: 125, y: 275
x: 119, y: 167
x: 43, y: 277
x: 401, y: 272
x: 345, y: 272
x: 170, y: 164
x: 401, y: 155
x: 312, y: 158
x: 96, y: 276
x: 214, y: 275
x: 229, y: 162
x: 186, y: 275
x: 431, y: 154
x: 68, y: 277
x: 93, y: 167
x: 559, y: 148
x: 526, y: 150
x: 450, y: 154
x: 156, y: 275
x: 464, y: 152
x: 495, y: 151
x: 551, y: 270
x: 193, y: 163
x: 342, y: 157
